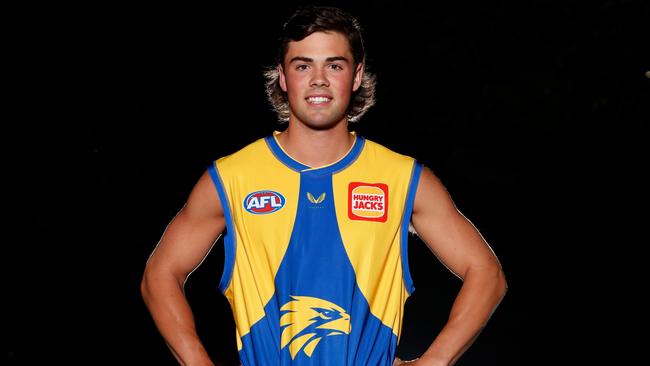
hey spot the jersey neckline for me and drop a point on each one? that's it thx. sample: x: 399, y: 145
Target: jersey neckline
x: 342, y: 163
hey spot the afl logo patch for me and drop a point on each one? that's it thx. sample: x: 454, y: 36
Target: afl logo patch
x: 368, y: 201
x: 263, y: 202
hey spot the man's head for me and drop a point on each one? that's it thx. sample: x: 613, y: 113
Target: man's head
x: 320, y: 69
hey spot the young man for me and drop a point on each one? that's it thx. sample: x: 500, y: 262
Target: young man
x: 316, y: 222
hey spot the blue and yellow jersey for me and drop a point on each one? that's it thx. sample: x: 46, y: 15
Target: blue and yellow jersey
x: 316, y: 265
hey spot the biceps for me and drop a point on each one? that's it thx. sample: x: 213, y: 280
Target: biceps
x: 184, y: 244
x: 454, y: 241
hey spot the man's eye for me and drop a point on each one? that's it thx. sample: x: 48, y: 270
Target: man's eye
x: 301, y: 67
x: 336, y: 67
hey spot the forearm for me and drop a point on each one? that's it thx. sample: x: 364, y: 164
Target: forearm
x: 479, y: 296
x: 168, y: 306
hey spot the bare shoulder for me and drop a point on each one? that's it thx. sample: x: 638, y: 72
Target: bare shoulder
x: 431, y: 195
x: 204, y: 200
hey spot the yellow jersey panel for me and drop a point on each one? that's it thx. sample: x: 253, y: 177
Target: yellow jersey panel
x: 260, y: 240
x: 370, y: 203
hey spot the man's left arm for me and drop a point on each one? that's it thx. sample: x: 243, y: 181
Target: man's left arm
x: 462, y: 249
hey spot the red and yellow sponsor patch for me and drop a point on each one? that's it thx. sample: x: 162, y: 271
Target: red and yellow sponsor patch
x: 368, y: 201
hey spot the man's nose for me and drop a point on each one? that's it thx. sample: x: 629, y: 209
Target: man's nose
x: 319, y: 78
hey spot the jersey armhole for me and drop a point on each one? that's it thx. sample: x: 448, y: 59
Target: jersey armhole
x: 229, y: 239
x: 406, y: 220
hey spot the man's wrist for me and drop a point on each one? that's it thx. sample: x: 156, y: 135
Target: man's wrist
x: 433, y: 360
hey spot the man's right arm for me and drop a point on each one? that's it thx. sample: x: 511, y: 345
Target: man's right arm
x: 183, y: 246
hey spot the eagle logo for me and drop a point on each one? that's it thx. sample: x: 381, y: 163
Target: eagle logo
x: 306, y: 320
x: 312, y: 199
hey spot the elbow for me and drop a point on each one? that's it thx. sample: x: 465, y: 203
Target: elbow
x: 144, y: 287
x: 494, y: 279
x: 501, y: 284
x: 158, y: 281
x: 148, y: 282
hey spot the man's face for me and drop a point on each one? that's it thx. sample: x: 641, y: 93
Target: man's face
x: 319, y: 77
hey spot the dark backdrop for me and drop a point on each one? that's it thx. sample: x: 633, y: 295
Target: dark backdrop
x: 533, y: 114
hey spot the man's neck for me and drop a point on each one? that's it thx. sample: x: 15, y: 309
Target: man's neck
x: 316, y: 148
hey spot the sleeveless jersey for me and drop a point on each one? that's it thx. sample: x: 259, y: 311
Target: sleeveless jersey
x: 316, y: 264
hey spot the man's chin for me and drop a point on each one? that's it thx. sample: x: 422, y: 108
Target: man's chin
x: 323, y: 124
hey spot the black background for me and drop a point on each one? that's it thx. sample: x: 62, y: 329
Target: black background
x: 533, y: 113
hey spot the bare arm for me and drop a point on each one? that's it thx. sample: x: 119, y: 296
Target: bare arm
x: 460, y: 247
x: 183, y: 246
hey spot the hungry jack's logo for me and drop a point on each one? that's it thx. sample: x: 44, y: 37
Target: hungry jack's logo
x: 368, y: 201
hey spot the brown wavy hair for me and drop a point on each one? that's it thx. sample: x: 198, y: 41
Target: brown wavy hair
x: 304, y: 22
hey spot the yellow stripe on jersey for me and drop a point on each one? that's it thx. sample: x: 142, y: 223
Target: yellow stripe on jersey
x: 374, y: 247
x: 260, y: 240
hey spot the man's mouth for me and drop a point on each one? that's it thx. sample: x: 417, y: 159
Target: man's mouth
x: 318, y: 99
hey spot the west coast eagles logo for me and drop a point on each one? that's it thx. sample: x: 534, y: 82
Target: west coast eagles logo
x: 306, y: 320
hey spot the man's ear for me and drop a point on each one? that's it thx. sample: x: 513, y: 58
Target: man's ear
x: 358, y: 77
x: 282, y: 80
